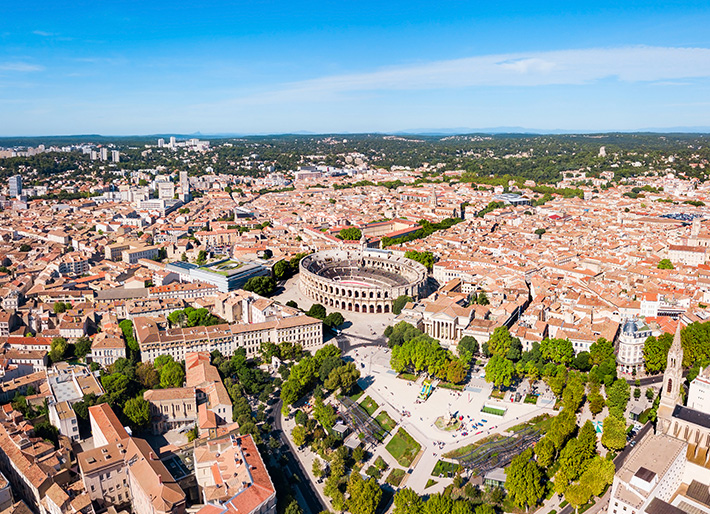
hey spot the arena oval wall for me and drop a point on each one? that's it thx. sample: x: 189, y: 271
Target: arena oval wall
x: 360, y: 280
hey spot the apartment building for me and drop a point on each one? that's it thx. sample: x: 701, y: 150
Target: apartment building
x: 184, y: 291
x: 178, y: 342
x: 62, y: 416
x: 232, y: 477
x: 133, y: 255
x: 107, y: 349
x: 171, y: 408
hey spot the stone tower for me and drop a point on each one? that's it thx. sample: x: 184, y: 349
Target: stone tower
x: 695, y: 230
x: 672, y: 382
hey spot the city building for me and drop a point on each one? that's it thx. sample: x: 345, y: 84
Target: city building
x: 232, y: 477
x: 15, y: 186
x: 631, y: 340
x: 172, y: 408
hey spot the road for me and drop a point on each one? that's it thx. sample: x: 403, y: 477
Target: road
x: 306, y: 493
x: 655, y: 379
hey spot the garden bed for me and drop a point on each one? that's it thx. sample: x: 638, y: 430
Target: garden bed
x: 369, y: 405
x: 443, y: 467
x: 395, y: 477
x: 385, y: 421
x: 403, y: 448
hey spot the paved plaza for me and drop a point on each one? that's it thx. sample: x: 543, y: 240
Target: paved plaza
x: 400, y: 399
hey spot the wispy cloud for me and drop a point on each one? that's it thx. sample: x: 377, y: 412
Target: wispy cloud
x: 530, y: 69
x: 43, y: 33
x: 19, y: 66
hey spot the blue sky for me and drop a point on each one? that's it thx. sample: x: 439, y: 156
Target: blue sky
x: 343, y: 66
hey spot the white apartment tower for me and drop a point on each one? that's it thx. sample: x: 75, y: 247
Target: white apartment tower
x: 161, y: 142
x: 15, y: 186
x: 115, y: 156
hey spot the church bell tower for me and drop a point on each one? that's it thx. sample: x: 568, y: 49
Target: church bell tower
x: 672, y: 382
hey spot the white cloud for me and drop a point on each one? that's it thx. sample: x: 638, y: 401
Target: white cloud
x: 43, y: 33
x: 562, y: 67
x: 19, y: 66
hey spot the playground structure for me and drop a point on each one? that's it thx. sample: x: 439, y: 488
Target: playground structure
x: 426, y: 391
x: 499, y: 453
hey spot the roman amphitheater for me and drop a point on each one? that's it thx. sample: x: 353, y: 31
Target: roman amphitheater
x: 360, y: 280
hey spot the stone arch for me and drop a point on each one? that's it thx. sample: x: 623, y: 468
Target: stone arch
x: 357, y: 307
x: 379, y: 309
x: 387, y: 309
x: 350, y: 306
x: 372, y: 309
x: 669, y: 387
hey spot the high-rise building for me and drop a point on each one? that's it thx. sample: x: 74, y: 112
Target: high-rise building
x: 104, y: 154
x: 15, y: 185
x: 184, y: 187
x: 115, y: 156
x: 172, y: 141
x: 161, y: 142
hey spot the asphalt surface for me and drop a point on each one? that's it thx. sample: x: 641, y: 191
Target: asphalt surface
x: 307, y: 493
x: 655, y: 379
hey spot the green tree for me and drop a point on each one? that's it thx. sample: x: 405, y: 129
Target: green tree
x: 263, y: 286
x: 614, y: 433
x: 58, y: 349
x: 500, y: 341
x: 299, y: 435
x: 317, y: 468
x: 601, y: 351
x: 455, y: 372
x: 578, y: 495
x: 365, y: 495
x: 138, y: 411
x: 400, y: 302
x: 499, y: 370
x: 407, y: 501
x: 172, y: 374
x: 439, y: 504
x: 425, y: 258
x: 598, y: 475
x: 468, y: 344
x: 281, y: 270
x: 147, y: 375
x: 559, y: 351
x: 343, y: 377
x: 59, y: 307
x: 201, y: 258
x: 350, y: 234
x: 82, y: 347
x: 617, y: 397
x: 324, y: 414
x: 524, y: 480
x: 317, y: 311
x: 545, y: 452
x: 655, y: 352
x: 25, y: 248
x: 665, y: 264
x: 334, y: 319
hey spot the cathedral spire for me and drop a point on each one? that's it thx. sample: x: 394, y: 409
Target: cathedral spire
x: 673, y: 376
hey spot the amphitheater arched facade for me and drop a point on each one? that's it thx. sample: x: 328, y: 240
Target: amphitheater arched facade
x: 366, y: 281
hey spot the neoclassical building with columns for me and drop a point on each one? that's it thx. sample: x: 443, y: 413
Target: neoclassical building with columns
x: 360, y: 280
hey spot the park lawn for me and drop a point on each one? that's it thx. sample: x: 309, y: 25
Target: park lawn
x: 403, y: 448
x: 443, y: 467
x: 493, y: 411
x: 369, y: 405
x: 531, y: 399
x: 407, y: 376
x: 395, y: 477
x: 385, y: 421
x: 430, y: 483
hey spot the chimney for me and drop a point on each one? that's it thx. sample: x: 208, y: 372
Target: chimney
x: 152, y: 456
x: 160, y: 479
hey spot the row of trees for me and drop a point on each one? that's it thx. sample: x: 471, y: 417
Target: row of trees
x: 325, y: 368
